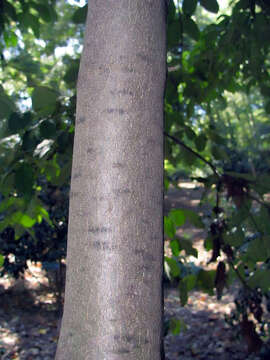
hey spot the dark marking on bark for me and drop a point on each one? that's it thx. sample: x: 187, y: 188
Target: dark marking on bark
x: 81, y: 120
x: 77, y: 175
x: 132, y: 341
x: 139, y: 252
x: 146, y: 222
x: 126, y: 338
x: 119, y: 192
x: 122, y: 351
x: 104, y: 69
x: 128, y: 69
x: 97, y: 229
x: 152, y: 142
x: 118, y: 165
x: 117, y: 111
x: 146, y: 256
x: 90, y: 151
x: 143, y: 57
x: 74, y: 194
x: 102, y: 245
x: 124, y: 92
x: 145, y: 268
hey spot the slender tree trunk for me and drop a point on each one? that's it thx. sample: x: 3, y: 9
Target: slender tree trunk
x: 113, y: 302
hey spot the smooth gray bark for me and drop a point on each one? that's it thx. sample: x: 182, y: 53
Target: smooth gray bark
x: 113, y: 303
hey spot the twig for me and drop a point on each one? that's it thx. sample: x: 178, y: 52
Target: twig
x: 179, y: 142
x: 243, y: 281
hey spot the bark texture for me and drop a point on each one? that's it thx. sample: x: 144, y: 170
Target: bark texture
x: 113, y: 302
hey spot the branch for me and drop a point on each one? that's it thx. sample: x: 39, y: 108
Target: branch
x: 242, y: 280
x: 252, y: 197
x: 179, y: 142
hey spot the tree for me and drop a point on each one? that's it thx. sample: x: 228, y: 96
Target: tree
x: 113, y: 302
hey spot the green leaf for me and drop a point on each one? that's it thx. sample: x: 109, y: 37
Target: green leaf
x: 260, y: 279
x: 191, y: 281
x: 186, y: 245
x: 7, y: 106
x: 206, y: 281
x: 47, y: 129
x: 26, y: 119
x: 190, y: 133
x: 183, y: 292
x: 171, y: 12
x: 235, y: 238
x: 29, y: 141
x: 28, y: 20
x: 43, y: 11
x: 72, y: 73
x: 79, y: 16
x: 219, y: 153
x: 177, y: 216
x: 27, y: 222
x: 189, y: 6
x: 24, y: 179
x: 44, y: 99
x: 14, y: 122
x: 9, y: 10
x: 257, y: 251
x: 191, y: 28
x: 174, y: 266
x: 166, y: 183
x: 41, y: 213
x: 173, y: 34
x: 194, y: 218
x: 169, y: 227
x: 17, y: 122
x: 200, y: 142
x: 51, y: 170
x: 267, y: 107
x: 176, y: 326
x: 174, y: 245
x: 10, y: 38
x: 210, y: 5
x: 2, y: 260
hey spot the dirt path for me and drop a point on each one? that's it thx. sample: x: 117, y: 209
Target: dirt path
x: 29, y: 322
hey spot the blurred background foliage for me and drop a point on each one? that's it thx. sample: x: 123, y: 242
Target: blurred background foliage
x: 217, y: 130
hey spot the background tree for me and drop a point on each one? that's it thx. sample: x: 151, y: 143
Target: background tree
x: 113, y: 301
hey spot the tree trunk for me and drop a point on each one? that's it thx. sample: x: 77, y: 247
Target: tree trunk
x: 113, y: 303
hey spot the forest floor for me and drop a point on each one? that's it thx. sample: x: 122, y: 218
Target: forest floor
x: 29, y: 324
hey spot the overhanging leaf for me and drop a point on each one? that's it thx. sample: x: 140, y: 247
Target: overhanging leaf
x: 7, y: 106
x: 186, y: 245
x: 206, y: 281
x: 169, y: 227
x: 2, y: 260
x: 210, y: 5
x: 177, y: 216
x: 47, y: 129
x: 194, y: 218
x: 183, y: 292
x: 24, y: 179
x: 44, y: 99
x: 44, y: 11
x: 176, y: 326
x: 189, y: 6
x: 79, y: 16
x: 200, y: 142
x: 174, y: 245
x: 191, y: 28
x: 174, y: 266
